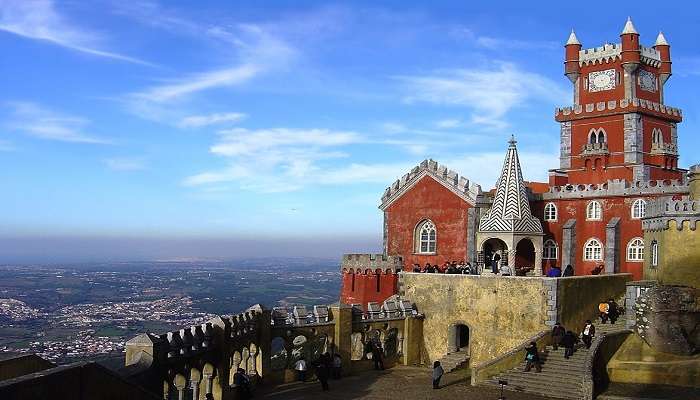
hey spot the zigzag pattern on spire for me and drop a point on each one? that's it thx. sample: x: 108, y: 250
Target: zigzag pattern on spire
x: 510, y: 211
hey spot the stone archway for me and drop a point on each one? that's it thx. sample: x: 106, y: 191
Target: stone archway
x: 525, y: 254
x: 491, y: 246
x: 458, y: 338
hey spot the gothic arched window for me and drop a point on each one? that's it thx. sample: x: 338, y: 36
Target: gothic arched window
x: 593, y: 250
x: 550, y: 212
x: 597, y: 136
x: 549, y: 250
x: 426, y: 237
x: 639, y: 208
x: 594, y: 211
x: 656, y: 136
x: 635, y: 250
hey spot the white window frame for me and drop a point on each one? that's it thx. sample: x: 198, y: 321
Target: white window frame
x: 639, y: 209
x: 550, y: 245
x: 595, y: 246
x: 654, y: 253
x: 549, y: 209
x: 594, y: 211
x: 635, y: 250
x: 420, y: 240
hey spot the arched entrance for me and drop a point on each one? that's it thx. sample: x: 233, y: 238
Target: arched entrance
x: 458, y: 338
x: 491, y: 246
x: 525, y: 254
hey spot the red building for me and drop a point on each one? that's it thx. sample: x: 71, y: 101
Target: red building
x: 618, y: 150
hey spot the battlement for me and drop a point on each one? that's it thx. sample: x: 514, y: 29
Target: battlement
x: 650, y: 56
x: 617, y: 187
x: 606, y: 53
x: 660, y: 212
x: 447, y: 177
x: 635, y: 105
x: 370, y: 263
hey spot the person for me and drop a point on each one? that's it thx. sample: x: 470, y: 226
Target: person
x: 532, y: 357
x: 568, y: 271
x: 494, y: 262
x: 377, y: 355
x: 323, y: 366
x: 300, y: 367
x: 613, y: 311
x: 588, y: 333
x: 429, y: 268
x: 506, y: 270
x: 451, y: 268
x: 558, y: 333
x: 597, y: 270
x: 554, y: 272
x: 604, y: 309
x: 337, y: 365
x: 467, y: 269
x: 241, y: 383
x: 437, y: 374
x: 569, y: 341
x: 208, y: 396
x: 416, y: 267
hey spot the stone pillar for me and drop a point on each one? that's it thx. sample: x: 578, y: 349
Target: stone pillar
x: 568, y: 245
x: 633, y: 128
x: 472, y: 224
x: 385, y: 235
x: 565, y: 145
x: 342, y: 315
x: 264, y: 342
x: 180, y: 384
x: 207, y: 383
x: 538, y: 262
x: 612, y: 247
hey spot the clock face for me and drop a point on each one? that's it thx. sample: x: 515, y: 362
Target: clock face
x: 647, y: 81
x: 601, y: 80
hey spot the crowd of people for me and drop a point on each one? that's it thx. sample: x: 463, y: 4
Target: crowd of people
x: 448, y: 268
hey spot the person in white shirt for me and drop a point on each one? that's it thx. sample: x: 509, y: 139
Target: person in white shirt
x: 300, y: 367
x: 506, y: 270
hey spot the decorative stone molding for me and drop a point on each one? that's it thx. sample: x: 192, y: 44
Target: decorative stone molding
x: 613, y: 51
x: 450, y: 179
x: 660, y: 212
x: 633, y: 105
x: 589, y: 149
x: 612, y: 244
x: 633, y: 129
x: 617, y: 188
x: 664, y: 148
x: 373, y: 262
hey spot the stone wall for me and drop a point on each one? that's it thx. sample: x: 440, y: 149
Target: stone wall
x: 502, y: 312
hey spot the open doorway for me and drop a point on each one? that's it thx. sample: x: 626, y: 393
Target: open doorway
x: 458, y: 338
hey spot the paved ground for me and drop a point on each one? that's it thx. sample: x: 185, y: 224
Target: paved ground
x: 620, y: 391
x: 399, y: 383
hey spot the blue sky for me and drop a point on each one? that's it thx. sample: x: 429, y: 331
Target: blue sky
x: 278, y: 122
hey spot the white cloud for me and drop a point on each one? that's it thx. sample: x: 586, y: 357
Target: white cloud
x: 489, y: 93
x: 39, y: 20
x: 198, y: 121
x: 124, y: 164
x: 5, y: 145
x: 37, y: 121
x: 242, y: 142
x: 448, y: 123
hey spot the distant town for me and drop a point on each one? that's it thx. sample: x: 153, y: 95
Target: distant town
x: 70, y: 313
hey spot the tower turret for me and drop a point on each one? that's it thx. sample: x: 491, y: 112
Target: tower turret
x: 631, y: 56
x: 664, y: 50
x: 572, y: 70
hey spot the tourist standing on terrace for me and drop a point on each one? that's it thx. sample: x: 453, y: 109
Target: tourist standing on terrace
x: 437, y: 374
x: 300, y: 367
x: 337, y: 365
x: 494, y: 262
x: 323, y: 370
x: 377, y: 356
x: 588, y: 333
x: 506, y: 270
x: 568, y: 271
x: 554, y: 272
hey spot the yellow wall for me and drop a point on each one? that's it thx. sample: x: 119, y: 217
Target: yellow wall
x: 679, y: 256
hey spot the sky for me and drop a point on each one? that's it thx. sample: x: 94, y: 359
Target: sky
x: 214, y: 129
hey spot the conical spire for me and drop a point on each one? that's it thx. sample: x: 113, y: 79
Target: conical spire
x: 629, y: 27
x: 572, y: 38
x: 510, y: 211
x: 661, y: 40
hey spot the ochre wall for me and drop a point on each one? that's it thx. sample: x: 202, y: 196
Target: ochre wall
x: 428, y: 199
x: 500, y: 312
x: 578, y: 297
x: 679, y: 257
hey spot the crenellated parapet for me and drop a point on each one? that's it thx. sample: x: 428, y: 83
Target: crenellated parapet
x: 613, y: 51
x: 684, y: 211
x: 569, y: 113
x: 617, y: 187
x: 460, y: 185
x: 371, y: 263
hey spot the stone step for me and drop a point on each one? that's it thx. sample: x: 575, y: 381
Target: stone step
x: 550, y: 376
x: 542, y: 391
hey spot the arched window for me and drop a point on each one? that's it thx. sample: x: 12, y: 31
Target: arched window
x: 601, y: 136
x: 597, y: 136
x: 426, y: 237
x: 656, y: 136
x: 592, y: 137
x: 639, y: 208
x: 549, y: 251
x: 550, y: 212
x: 593, y: 250
x: 654, y: 253
x: 635, y: 250
x: 594, y: 211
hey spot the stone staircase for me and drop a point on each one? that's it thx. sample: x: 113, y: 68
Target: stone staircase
x: 560, y: 377
x: 454, y: 361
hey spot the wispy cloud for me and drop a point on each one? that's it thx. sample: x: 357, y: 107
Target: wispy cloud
x: 37, y: 121
x: 39, y: 20
x: 198, y: 121
x: 501, y: 43
x: 125, y: 164
x: 6, y: 145
x: 488, y: 93
x: 449, y: 123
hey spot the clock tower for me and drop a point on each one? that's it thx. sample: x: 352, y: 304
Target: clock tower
x: 618, y: 126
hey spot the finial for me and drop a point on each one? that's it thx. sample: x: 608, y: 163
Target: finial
x: 661, y: 40
x: 629, y: 27
x: 572, y: 38
x: 512, y: 141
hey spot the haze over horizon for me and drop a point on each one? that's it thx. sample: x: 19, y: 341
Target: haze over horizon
x: 147, y: 129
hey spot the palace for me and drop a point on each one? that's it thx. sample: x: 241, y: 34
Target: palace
x: 618, y: 152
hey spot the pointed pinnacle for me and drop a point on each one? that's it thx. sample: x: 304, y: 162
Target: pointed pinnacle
x: 661, y: 40
x: 572, y: 38
x: 629, y: 27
